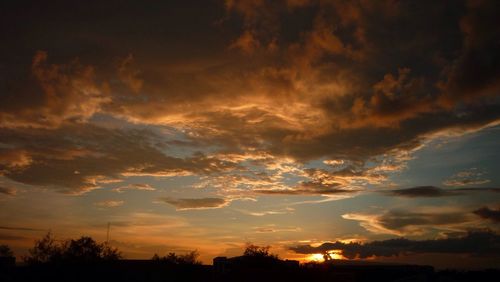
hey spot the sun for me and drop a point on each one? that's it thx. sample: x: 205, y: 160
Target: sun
x: 334, y: 254
x: 315, y: 257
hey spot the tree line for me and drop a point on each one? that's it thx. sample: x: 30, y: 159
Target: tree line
x: 86, y: 249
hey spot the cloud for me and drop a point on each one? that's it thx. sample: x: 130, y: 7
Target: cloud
x: 327, y: 89
x: 317, y: 190
x: 109, y: 204
x: 140, y: 222
x: 273, y: 229
x: 344, y: 178
x: 246, y: 43
x: 475, y: 73
x: 9, y: 237
x: 135, y: 186
x: 129, y: 75
x: 301, y: 111
x: 421, y: 191
x: 432, y: 191
x: 474, y: 243
x: 20, y: 228
x: 78, y: 158
x: 57, y: 93
x: 471, y: 176
x: 7, y: 191
x: 402, y: 222
x: 196, y: 204
x: 13, y: 158
x: 287, y: 210
x: 487, y: 213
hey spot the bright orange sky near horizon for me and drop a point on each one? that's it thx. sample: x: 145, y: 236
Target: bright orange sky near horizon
x: 367, y: 129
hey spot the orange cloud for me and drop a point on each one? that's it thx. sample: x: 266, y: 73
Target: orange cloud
x: 129, y: 75
x: 67, y: 92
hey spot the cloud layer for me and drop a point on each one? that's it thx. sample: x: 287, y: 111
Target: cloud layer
x: 474, y: 243
x: 321, y: 88
x: 426, y: 220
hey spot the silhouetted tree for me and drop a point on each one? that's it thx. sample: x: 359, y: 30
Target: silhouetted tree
x: 173, y: 258
x: 110, y: 253
x: 87, y: 249
x: 252, y: 250
x: 190, y: 258
x: 84, y: 249
x: 5, y: 251
x: 44, y: 250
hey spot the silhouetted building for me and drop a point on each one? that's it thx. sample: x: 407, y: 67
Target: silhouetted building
x: 252, y: 263
x: 241, y: 269
x: 6, y: 262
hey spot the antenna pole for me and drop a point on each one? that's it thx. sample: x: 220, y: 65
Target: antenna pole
x: 107, y: 234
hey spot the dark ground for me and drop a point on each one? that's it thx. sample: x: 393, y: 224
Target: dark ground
x: 147, y: 270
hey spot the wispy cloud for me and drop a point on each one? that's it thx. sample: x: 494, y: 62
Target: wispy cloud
x: 196, y: 204
x: 467, y: 177
x: 20, y: 228
x: 287, y: 210
x: 109, y: 204
x: 135, y: 186
x: 273, y: 229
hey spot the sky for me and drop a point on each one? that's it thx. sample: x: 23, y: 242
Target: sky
x: 367, y: 129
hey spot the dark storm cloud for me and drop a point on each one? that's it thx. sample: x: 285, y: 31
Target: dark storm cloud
x: 200, y: 203
x: 56, y: 93
x: 476, y: 72
x: 306, y: 80
x: 487, y: 213
x: 478, y: 243
x: 432, y: 191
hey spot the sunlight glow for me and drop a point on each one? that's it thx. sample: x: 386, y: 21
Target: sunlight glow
x: 334, y: 254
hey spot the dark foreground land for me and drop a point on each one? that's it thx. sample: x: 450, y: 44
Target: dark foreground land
x: 147, y: 270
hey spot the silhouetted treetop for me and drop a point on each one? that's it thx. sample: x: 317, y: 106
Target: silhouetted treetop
x: 173, y: 258
x: 86, y: 249
x: 252, y: 250
x: 45, y: 250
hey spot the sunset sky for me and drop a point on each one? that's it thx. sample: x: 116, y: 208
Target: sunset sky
x: 291, y: 123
